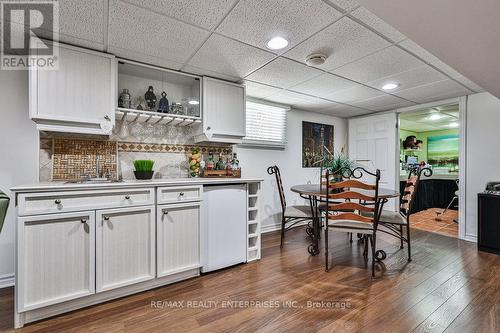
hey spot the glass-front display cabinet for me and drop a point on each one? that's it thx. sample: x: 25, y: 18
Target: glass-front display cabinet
x: 151, y: 94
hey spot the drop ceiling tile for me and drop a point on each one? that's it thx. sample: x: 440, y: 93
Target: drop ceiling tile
x: 256, y: 21
x: 381, y: 103
x: 300, y: 101
x: 412, y: 78
x: 345, y: 5
x: 202, y: 71
x: 81, y: 23
x: 145, y: 58
x: 257, y: 90
x: 226, y: 56
x: 354, y: 94
x: 434, y: 91
x: 367, y: 17
x: 386, y: 62
x: 203, y: 13
x: 342, y: 42
x: 283, y: 73
x: 143, y: 31
x: 323, y: 85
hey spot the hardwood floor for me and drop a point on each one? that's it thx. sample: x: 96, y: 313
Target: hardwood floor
x: 448, y: 287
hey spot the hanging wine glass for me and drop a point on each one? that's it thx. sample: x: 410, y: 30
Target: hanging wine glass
x: 124, y: 132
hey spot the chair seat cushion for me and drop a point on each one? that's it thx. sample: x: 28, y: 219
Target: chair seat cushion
x: 351, y: 226
x: 298, y: 211
x: 389, y: 217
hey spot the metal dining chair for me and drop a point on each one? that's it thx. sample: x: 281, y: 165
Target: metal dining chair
x: 397, y: 224
x: 4, y: 204
x: 291, y: 215
x: 360, y: 197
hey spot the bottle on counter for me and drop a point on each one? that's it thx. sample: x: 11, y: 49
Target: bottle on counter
x: 235, y: 163
x: 210, y: 164
x: 220, y: 163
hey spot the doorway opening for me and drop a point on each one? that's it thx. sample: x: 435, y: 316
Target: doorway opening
x: 430, y: 137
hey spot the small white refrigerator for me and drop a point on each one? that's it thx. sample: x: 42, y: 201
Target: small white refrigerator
x: 224, y: 226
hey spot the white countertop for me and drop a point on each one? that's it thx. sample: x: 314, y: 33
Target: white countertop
x: 64, y: 186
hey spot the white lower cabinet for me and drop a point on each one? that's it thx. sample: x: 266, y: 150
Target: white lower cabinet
x: 178, y: 238
x: 55, y: 259
x: 125, y: 247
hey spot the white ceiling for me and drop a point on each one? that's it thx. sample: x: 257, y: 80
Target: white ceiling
x: 419, y: 121
x: 227, y: 38
x: 462, y: 33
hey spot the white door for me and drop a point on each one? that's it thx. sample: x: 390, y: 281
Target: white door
x: 55, y: 259
x: 223, y: 108
x: 78, y: 96
x: 178, y: 238
x: 372, y: 143
x: 125, y: 247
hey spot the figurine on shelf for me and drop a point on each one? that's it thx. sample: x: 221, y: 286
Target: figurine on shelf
x: 150, y: 98
x: 139, y: 103
x: 163, y: 107
x: 124, y: 101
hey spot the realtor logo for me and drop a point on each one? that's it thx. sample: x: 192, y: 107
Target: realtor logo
x: 24, y: 24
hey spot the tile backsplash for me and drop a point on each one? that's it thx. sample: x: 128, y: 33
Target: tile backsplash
x: 72, y: 158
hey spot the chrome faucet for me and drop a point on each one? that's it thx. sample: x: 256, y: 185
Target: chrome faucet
x: 97, y: 171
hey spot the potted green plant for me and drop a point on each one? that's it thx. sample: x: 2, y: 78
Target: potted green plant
x: 144, y: 169
x: 338, y: 164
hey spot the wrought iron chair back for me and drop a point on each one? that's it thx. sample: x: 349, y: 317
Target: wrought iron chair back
x: 276, y: 171
x: 411, y: 189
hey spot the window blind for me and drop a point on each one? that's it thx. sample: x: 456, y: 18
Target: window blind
x: 265, y: 124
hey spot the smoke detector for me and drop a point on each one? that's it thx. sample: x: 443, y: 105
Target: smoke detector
x: 315, y: 59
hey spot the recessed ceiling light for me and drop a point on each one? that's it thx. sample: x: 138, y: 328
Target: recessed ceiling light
x: 390, y: 86
x: 453, y: 125
x: 277, y: 43
x: 435, y: 116
x: 194, y: 102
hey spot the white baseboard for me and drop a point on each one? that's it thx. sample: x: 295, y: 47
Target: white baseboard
x: 7, y: 280
x: 471, y: 238
x: 274, y: 227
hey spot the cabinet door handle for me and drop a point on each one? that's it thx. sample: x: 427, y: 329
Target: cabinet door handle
x: 181, y: 194
x: 127, y: 197
x: 165, y: 212
x: 57, y: 201
x: 105, y: 218
x: 107, y: 118
x: 84, y: 220
x: 209, y: 128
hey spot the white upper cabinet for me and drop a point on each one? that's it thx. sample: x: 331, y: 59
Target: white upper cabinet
x: 78, y: 96
x: 223, y: 112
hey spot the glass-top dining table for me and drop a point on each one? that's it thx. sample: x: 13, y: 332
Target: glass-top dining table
x: 313, y: 193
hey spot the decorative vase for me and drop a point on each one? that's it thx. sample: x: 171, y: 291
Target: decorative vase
x: 141, y: 175
x: 124, y: 101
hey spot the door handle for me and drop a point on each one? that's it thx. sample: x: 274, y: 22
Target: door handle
x: 57, y: 201
x: 105, y: 218
x: 127, y: 197
x: 107, y: 118
x: 165, y: 212
x: 84, y: 220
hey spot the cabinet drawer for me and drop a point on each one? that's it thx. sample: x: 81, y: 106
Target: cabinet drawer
x: 70, y: 201
x: 179, y: 194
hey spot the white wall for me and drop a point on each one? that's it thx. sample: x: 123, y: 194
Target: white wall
x: 255, y: 162
x: 482, y: 152
x: 18, y: 156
